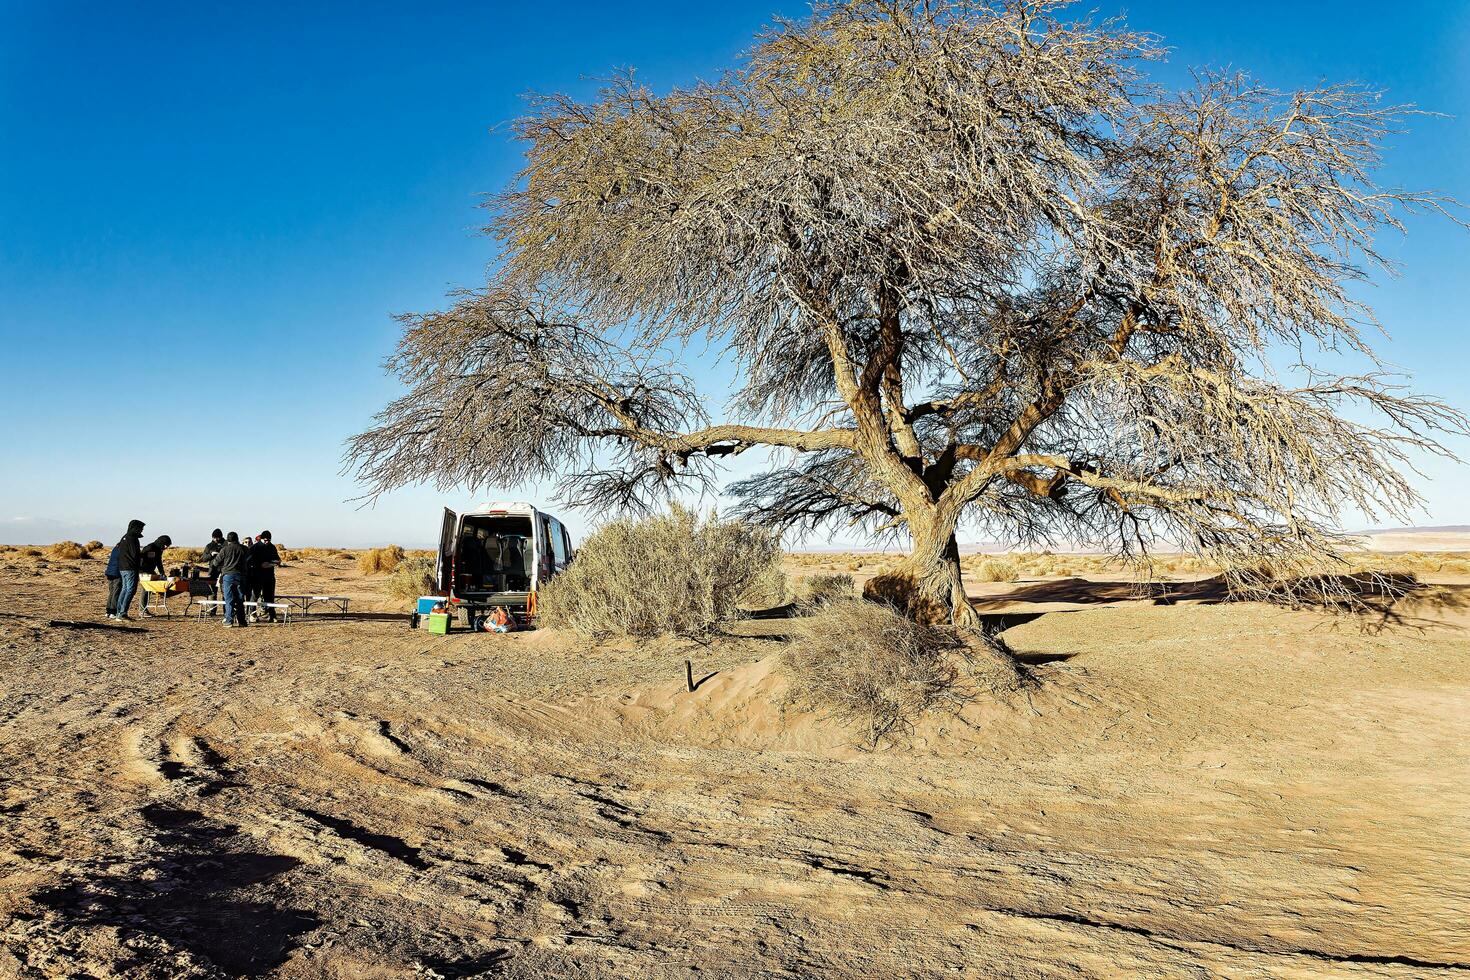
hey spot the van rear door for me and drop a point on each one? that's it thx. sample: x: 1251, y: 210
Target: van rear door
x: 448, y: 535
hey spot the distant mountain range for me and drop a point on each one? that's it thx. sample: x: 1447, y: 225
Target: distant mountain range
x: 1440, y: 529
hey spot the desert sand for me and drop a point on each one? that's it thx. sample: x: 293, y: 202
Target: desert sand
x: 1192, y: 789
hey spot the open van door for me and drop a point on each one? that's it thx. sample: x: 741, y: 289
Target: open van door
x: 444, y: 567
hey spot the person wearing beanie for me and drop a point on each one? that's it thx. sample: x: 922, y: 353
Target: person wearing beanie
x: 263, y: 561
x: 211, y: 552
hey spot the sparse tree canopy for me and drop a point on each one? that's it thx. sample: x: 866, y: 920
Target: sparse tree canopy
x: 970, y: 265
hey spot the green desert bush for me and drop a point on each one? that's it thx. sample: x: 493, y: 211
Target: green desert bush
x: 865, y: 664
x: 996, y: 570
x: 66, y: 551
x: 376, y: 561
x: 413, y: 577
x: 674, y: 573
x: 814, y: 589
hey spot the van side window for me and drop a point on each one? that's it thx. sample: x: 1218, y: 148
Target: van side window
x: 558, y: 542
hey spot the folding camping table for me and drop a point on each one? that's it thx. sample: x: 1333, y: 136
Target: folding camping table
x: 305, y: 602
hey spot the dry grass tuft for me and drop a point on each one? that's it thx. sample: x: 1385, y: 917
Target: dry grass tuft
x: 173, y: 556
x: 770, y: 589
x: 673, y: 573
x: 865, y: 664
x: 816, y: 589
x: 66, y: 551
x: 996, y: 570
x: 899, y: 591
x: 94, y: 545
x: 413, y: 577
x: 376, y: 561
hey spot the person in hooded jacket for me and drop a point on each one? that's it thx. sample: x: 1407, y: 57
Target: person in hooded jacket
x: 114, y: 580
x: 150, y: 562
x: 263, y: 561
x: 231, y: 563
x: 129, y: 553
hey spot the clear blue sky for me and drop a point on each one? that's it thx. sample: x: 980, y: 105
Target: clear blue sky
x: 208, y: 213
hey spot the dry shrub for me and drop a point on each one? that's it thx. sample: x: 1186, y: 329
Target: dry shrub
x: 667, y: 574
x: 996, y: 570
x: 31, y: 552
x: 66, y: 551
x: 770, y: 589
x: 865, y: 664
x: 900, y: 591
x: 173, y: 556
x: 413, y: 577
x: 375, y: 561
x: 94, y: 545
x: 815, y: 589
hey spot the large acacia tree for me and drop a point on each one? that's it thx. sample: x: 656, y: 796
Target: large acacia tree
x: 970, y: 265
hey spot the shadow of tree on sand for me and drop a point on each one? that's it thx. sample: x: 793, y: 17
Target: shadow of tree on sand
x: 186, y: 892
x: 1374, y: 600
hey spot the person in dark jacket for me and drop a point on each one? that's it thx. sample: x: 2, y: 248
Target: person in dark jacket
x: 247, y: 584
x: 216, y: 542
x: 231, y: 562
x: 263, y: 561
x: 150, y: 562
x: 114, y: 581
x: 211, y: 551
x: 129, y: 553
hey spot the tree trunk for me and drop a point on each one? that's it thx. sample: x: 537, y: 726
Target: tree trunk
x: 927, y: 585
x: 928, y: 588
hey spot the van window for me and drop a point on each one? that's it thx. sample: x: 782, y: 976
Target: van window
x: 558, y: 543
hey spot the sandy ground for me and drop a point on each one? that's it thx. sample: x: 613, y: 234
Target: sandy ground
x: 1193, y: 790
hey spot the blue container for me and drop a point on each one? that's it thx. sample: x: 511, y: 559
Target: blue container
x: 427, y: 603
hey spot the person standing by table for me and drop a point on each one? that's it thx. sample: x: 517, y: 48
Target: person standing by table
x: 247, y: 584
x: 129, y: 551
x: 211, y: 552
x: 263, y: 561
x: 231, y: 562
x: 150, y: 562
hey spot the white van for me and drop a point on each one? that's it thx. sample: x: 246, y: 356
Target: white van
x: 499, y: 554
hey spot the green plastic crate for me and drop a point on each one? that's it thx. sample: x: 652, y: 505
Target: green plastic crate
x: 439, y: 623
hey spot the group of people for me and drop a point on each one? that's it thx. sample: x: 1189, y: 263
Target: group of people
x: 241, y: 571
